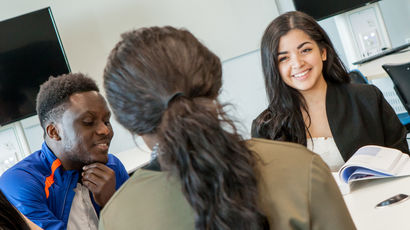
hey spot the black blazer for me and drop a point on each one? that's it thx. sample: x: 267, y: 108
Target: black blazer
x: 359, y: 115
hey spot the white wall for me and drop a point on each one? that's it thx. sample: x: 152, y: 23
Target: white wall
x: 244, y: 88
x: 396, y: 15
x: 89, y: 29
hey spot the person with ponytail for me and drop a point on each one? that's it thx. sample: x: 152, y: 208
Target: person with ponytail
x: 162, y: 84
x: 11, y: 219
x: 311, y: 100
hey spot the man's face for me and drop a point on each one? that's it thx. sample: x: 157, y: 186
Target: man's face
x: 85, y: 130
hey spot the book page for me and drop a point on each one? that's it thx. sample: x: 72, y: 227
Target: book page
x: 372, y: 161
x: 376, y: 157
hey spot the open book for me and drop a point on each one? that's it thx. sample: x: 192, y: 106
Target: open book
x: 371, y: 162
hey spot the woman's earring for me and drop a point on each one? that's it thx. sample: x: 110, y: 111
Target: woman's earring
x: 155, y: 150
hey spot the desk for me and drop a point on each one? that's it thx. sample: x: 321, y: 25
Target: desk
x: 373, y: 69
x: 364, y: 196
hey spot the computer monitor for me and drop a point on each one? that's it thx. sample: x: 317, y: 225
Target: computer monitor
x: 30, y: 52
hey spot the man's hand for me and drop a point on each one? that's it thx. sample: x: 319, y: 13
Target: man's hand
x: 100, y: 180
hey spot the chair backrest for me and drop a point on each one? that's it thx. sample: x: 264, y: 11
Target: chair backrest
x: 357, y: 77
x: 400, y: 75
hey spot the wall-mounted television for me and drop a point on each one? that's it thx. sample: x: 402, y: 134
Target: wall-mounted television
x: 321, y: 9
x: 30, y: 52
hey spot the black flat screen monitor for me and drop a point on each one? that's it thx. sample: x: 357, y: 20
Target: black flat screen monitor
x: 30, y: 52
x: 321, y: 9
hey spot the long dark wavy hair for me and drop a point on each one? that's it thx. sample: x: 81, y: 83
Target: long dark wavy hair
x: 283, y: 119
x: 10, y: 218
x: 200, y: 144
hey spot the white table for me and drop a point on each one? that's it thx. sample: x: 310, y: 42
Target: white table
x: 134, y: 158
x: 363, y: 197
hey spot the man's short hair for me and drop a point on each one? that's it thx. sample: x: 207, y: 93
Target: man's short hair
x: 55, y: 93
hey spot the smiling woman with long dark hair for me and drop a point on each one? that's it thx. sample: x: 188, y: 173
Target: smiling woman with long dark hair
x: 311, y: 101
x: 162, y: 84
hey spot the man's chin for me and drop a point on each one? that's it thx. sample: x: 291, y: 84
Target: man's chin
x: 103, y: 159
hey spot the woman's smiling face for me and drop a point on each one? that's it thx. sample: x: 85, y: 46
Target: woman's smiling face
x: 300, y: 61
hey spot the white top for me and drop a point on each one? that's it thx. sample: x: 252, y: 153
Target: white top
x: 82, y: 213
x: 327, y: 149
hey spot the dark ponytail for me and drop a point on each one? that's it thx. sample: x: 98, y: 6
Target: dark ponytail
x: 214, y: 165
x: 10, y: 218
x: 163, y: 81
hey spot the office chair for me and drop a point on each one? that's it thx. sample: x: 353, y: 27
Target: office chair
x: 400, y: 75
x: 357, y: 77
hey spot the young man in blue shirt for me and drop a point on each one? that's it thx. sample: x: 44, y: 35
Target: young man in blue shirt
x: 72, y: 177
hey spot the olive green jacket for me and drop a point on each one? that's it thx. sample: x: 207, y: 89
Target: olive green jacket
x: 296, y: 191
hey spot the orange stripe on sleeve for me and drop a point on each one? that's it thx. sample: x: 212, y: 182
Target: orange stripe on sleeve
x: 50, y: 179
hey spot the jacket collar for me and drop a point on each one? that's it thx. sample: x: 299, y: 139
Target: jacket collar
x: 48, y: 154
x: 50, y: 158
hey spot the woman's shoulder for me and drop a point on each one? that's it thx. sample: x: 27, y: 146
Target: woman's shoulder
x: 288, y: 171
x: 279, y: 150
x: 348, y: 92
x: 354, y: 88
x: 140, y: 181
x: 154, y: 195
x: 283, y: 159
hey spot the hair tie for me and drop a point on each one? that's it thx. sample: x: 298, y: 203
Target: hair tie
x: 173, y: 97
